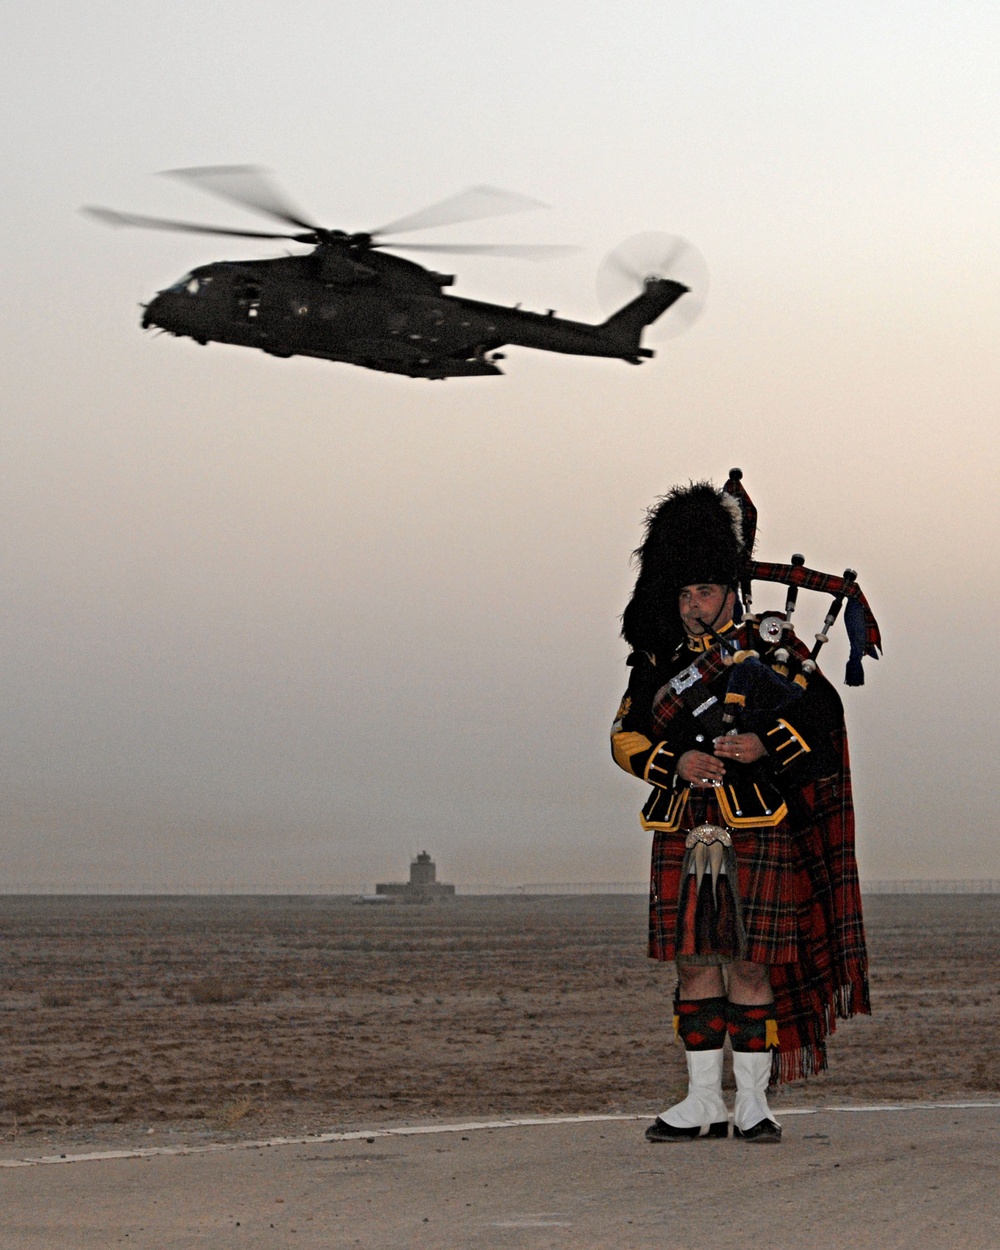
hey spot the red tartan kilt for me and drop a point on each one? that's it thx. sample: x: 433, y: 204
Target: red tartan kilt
x: 774, y: 889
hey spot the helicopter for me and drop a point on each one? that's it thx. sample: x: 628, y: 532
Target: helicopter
x: 350, y: 300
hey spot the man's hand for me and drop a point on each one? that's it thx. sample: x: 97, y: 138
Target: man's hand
x: 743, y: 748
x: 699, y: 769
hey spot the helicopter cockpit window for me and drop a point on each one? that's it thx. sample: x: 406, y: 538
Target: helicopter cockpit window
x: 190, y: 285
x: 198, y: 286
x: 246, y: 300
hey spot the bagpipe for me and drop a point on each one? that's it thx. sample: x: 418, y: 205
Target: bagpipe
x: 756, y: 688
x: 864, y: 636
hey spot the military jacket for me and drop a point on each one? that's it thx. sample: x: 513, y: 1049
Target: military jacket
x: 794, y: 713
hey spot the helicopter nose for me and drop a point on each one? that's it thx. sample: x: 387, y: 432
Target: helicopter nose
x: 150, y: 311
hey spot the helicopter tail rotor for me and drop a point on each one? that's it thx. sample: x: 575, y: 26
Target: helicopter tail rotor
x: 643, y: 262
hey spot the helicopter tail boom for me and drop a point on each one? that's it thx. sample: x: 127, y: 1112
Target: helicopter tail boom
x: 628, y: 323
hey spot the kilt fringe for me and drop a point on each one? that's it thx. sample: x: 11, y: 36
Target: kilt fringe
x: 794, y: 1065
x: 853, y: 999
x: 809, y: 1058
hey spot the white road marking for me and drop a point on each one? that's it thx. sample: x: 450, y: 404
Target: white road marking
x: 543, y: 1220
x: 471, y: 1126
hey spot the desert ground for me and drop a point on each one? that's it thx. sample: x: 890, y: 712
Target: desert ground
x: 167, y: 1019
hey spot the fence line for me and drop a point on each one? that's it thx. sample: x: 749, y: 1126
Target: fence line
x: 968, y: 886
x: 340, y: 889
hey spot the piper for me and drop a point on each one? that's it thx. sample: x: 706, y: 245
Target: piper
x: 754, y: 887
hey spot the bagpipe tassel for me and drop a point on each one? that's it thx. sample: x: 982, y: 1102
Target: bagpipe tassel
x: 854, y: 622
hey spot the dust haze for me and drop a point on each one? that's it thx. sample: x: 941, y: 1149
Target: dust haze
x: 286, y: 622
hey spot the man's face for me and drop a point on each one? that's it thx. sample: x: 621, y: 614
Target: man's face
x: 705, y: 606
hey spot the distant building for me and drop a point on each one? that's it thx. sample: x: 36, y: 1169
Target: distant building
x: 423, y: 885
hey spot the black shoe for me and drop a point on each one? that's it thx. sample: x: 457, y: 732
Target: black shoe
x: 660, y: 1130
x: 764, y: 1132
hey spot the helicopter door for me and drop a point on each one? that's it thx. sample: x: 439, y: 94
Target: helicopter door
x: 246, y: 300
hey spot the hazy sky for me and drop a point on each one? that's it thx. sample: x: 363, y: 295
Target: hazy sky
x: 291, y: 621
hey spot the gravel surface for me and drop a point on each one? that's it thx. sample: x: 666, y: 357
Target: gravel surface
x: 159, y: 1020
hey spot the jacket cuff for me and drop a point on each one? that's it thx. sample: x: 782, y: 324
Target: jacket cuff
x: 630, y: 751
x: 785, y: 744
x: 660, y: 766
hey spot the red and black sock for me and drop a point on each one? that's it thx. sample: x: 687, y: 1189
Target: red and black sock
x: 751, y: 1028
x: 700, y: 1022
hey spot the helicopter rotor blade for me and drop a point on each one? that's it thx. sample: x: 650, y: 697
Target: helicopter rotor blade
x: 520, y: 251
x: 248, y: 185
x: 470, y: 205
x: 112, y: 218
x: 625, y: 271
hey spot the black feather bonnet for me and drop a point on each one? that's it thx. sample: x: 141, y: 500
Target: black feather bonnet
x: 694, y: 534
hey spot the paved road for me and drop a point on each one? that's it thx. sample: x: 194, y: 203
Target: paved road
x: 901, y: 1179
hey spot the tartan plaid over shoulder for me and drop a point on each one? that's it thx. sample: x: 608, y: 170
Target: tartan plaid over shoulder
x: 830, y: 979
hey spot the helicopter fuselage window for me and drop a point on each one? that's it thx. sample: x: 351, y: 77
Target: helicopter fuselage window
x: 246, y: 300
